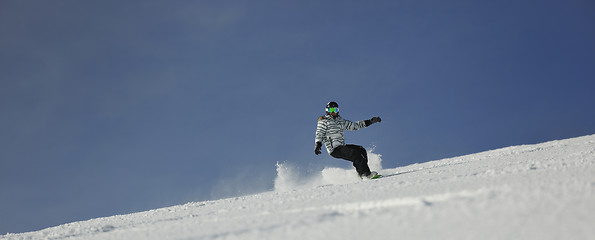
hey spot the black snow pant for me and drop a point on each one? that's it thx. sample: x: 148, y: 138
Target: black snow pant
x: 356, y: 154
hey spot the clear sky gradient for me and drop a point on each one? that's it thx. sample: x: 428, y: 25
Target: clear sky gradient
x: 111, y: 107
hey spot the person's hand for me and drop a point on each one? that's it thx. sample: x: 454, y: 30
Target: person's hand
x: 373, y: 120
x: 318, y: 147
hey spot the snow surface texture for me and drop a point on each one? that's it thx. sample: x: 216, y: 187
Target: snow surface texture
x: 543, y: 191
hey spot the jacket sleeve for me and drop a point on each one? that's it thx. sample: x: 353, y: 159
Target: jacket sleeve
x: 352, y: 126
x: 321, y: 129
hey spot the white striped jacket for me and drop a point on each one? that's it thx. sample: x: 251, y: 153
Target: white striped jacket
x: 330, y: 130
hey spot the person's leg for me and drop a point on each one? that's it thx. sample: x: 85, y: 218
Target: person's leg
x: 360, y: 159
x: 356, y: 154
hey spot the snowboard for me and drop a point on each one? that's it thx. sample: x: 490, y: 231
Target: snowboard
x: 376, y: 177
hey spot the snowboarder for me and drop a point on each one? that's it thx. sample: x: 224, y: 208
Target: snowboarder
x: 330, y: 131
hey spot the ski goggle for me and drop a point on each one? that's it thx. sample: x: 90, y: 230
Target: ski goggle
x: 332, y: 110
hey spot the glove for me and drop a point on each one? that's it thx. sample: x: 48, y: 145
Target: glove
x: 317, y: 149
x: 372, y: 120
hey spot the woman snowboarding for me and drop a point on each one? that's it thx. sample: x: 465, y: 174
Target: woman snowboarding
x: 330, y: 131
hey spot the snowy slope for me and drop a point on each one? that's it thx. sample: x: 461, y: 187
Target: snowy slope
x: 542, y: 191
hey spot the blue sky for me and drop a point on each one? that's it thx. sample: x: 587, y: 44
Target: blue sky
x: 112, y: 107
